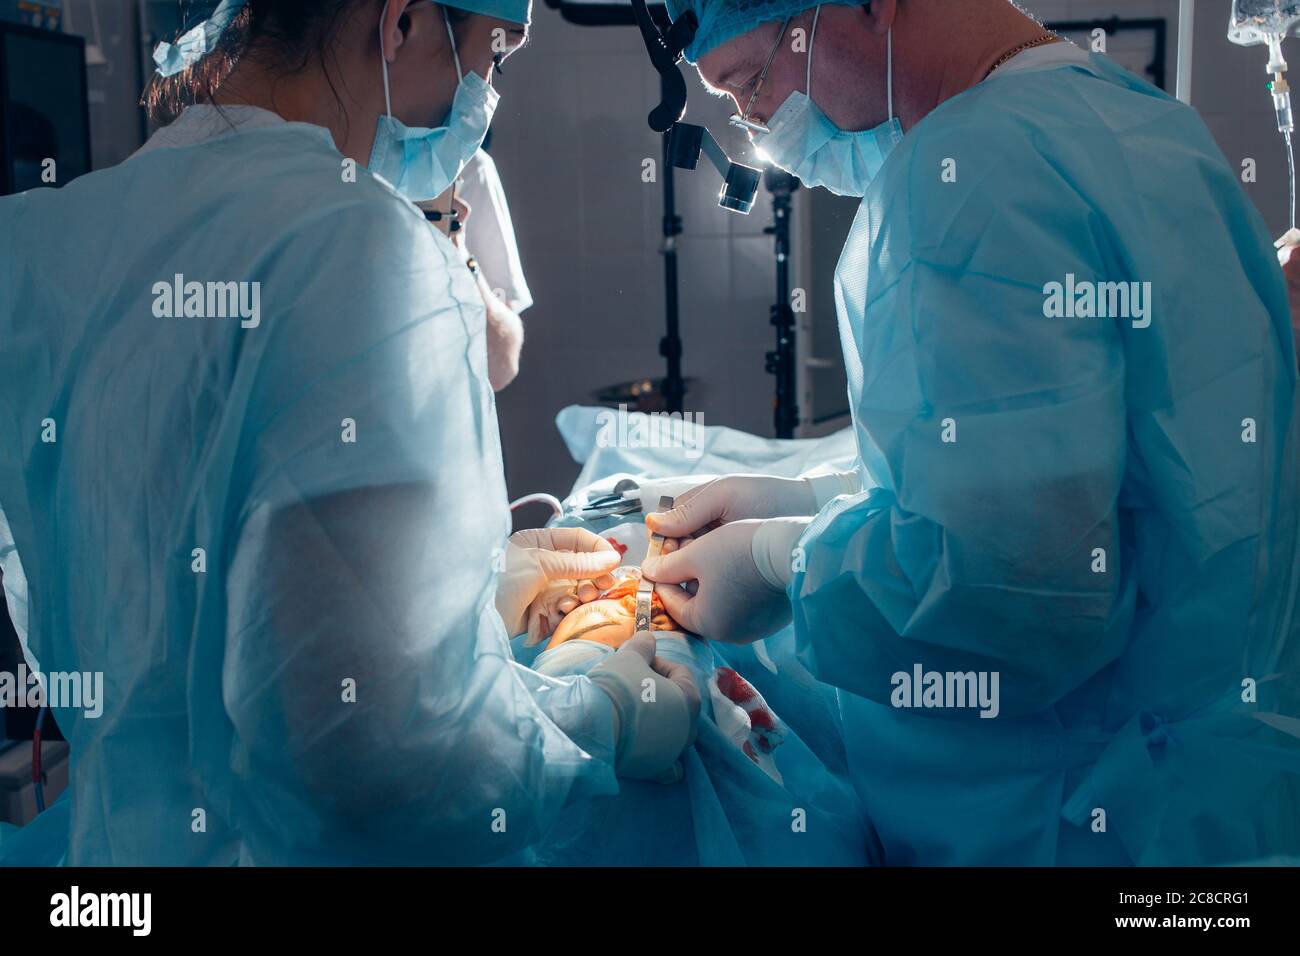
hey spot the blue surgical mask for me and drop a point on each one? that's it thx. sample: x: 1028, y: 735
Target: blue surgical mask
x: 802, y: 140
x: 421, y: 162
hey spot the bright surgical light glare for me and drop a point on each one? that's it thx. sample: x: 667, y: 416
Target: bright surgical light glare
x: 762, y: 156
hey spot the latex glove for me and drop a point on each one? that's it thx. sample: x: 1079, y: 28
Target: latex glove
x: 726, y: 599
x: 1286, y: 245
x: 734, y: 498
x: 656, y: 710
x: 548, y: 572
x: 1286, y: 255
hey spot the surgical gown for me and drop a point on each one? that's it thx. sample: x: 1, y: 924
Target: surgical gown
x: 1102, y: 510
x: 277, y: 538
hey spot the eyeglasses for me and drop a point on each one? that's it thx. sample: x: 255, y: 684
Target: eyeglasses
x: 742, y: 120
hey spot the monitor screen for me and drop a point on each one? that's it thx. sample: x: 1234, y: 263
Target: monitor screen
x: 43, y: 83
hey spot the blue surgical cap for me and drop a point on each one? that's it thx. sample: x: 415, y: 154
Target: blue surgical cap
x: 723, y: 20
x: 516, y: 11
x: 190, y: 48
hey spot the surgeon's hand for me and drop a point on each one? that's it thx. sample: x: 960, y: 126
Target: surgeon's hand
x: 726, y: 598
x: 548, y: 572
x: 656, y: 709
x: 1288, y: 254
x: 733, y: 498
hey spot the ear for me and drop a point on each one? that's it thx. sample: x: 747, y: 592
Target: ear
x: 391, y: 33
x: 881, y: 14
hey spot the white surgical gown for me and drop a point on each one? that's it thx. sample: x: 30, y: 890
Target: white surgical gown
x: 277, y: 541
x: 491, y: 234
x: 1103, y: 511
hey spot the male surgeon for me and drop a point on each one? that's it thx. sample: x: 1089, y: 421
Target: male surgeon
x: 1072, y: 380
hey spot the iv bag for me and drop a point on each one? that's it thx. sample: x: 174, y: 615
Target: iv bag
x: 1256, y: 21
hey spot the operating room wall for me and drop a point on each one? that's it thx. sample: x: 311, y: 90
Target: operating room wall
x: 113, y: 81
x: 570, y: 142
x: 1228, y: 87
x: 570, y: 139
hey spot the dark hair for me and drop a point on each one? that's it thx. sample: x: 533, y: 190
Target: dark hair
x: 286, y: 33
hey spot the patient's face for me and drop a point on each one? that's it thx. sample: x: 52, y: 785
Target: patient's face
x: 611, y: 618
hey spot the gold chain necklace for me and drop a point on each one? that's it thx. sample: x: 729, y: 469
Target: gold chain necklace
x: 1016, y: 51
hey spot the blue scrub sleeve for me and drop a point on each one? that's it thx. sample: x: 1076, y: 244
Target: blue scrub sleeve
x: 376, y: 714
x: 997, y: 435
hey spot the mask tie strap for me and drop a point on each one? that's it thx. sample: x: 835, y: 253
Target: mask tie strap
x: 812, y: 38
x: 451, y: 36
x: 460, y: 77
x: 889, y: 69
x: 383, y: 59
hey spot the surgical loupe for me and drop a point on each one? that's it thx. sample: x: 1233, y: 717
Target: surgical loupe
x: 686, y: 141
x: 743, y: 119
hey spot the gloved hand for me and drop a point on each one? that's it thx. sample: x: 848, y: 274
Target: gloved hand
x: 548, y: 572
x: 727, y: 599
x: 734, y: 498
x: 656, y: 707
x: 1287, y: 255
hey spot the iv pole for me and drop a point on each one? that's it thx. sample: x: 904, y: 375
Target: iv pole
x: 781, y: 361
x: 670, y: 346
x: 1186, y: 25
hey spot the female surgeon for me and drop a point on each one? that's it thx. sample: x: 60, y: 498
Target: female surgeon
x: 250, y: 475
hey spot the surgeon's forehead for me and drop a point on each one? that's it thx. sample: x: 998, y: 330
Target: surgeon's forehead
x: 735, y: 62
